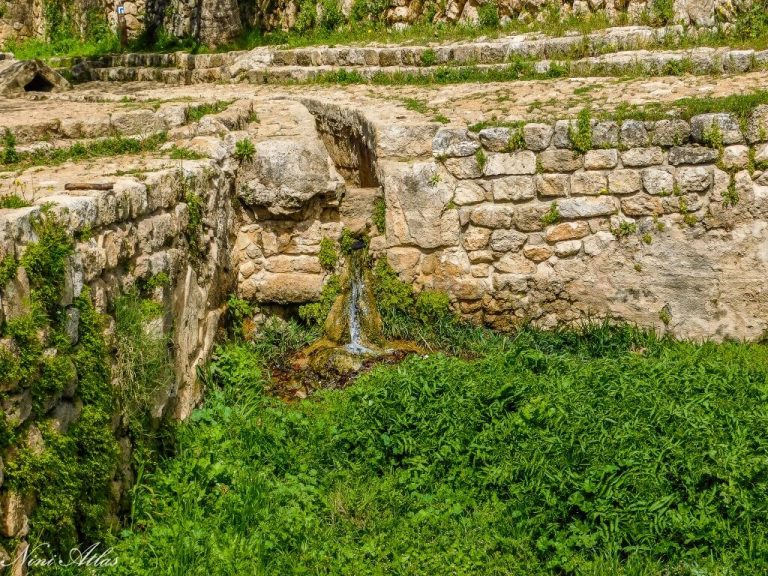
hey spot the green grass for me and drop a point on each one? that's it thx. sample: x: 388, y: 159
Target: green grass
x: 114, y: 146
x: 605, y: 452
x: 195, y: 113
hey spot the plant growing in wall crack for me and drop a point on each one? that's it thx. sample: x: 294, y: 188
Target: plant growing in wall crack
x: 244, y: 150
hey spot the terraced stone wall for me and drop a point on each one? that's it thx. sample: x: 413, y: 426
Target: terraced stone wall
x: 216, y: 22
x: 166, y: 235
x: 661, y: 223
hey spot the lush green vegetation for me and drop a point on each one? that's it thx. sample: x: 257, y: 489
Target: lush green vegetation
x: 602, y: 452
x: 365, y: 24
x: 69, y: 473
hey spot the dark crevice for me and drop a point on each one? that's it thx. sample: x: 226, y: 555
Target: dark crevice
x: 39, y: 84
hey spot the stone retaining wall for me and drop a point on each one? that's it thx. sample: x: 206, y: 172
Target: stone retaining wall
x: 651, y: 225
x: 137, y: 231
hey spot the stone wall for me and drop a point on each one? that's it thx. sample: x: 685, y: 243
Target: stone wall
x: 652, y: 224
x: 126, y: 236
x: 216, y: 22
x: 660, y: 223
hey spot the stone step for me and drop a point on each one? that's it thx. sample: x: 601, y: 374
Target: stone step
x: 700, y: 61
x: 483, y: 51
x: 163, y: 75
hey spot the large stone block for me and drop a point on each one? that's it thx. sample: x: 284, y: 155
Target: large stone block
x: 560, y: 160
x: 589, y: 183
x: 640, y: 157
x: 507, y: 240
x: 491, y: 216
x: 514, y: 163
x: 704, y: 126
x: 587, y: 207
x: 658, y: 181
x: 694, y: 179
x: 642, y: 205
x: 670, y: 132
x: 633, y: 134
x: 601, y: 159
x: 537, y: 136
x: 514, y: 188
x: 567, y: 231
x: 454, y: 142
x: 692, y: 155
x: 624, y: 181
x: 553, y: 185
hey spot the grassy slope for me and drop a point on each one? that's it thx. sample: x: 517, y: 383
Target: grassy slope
x: 606, y: 453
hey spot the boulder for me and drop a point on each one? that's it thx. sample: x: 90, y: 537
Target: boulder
x: 284, y: 175
x: 18, y: 77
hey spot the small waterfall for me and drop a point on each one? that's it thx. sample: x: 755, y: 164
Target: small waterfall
x: 355, y: 309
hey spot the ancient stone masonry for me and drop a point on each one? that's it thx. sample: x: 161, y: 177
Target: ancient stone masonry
x: 648, y: 223
x: 663, y: 223
x: 217, y: 22
x: 620, y: 50
x: 172, y: 226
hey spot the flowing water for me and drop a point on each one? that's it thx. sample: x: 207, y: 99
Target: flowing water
x: 355, y: 311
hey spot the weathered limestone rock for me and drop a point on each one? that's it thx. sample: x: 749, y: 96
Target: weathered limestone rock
x: 633, y: 134
x: 20, y: 76
x: 658, y: 181
x: 642, y: 205
x: 515, y: 163
x: 12, y: 514
x: 537, y: 136
x: 605, y: 135
x: 285, y: 175
x: 694, y: 179
x: 417, y: 196
x: 670, y: 132
x: 601, y: 159
x: 726, y: 125
x: 507, y: 240
x: 553, y: 185
x: 624, y: 181
x: 495, y: 139
x: 560, y: 160
x: 735, y: 157
x: 514, y: 188
x: 589, y: 184
x: 587, y: 207
x: 491, y: 216
x: 639, y: 157
x: 567, y: 231
x: 453, y: 142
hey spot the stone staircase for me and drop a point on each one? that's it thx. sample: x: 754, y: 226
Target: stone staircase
x: 613, y: 51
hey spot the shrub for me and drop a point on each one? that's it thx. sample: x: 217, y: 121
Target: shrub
x: 488, y: 15
x: 46, y: 260
x: 10, y: 155
x: 328, y: 256
x: 143, y: 366
x: 245, y: 150
x: 552, y: 216
x: 581, y: 134
x: 380, y: 215
x: 238, y: 310
x: 428, y: 57
x: 432, y: 306
x: 596, y: 451
x: 315, y: 313
x: 13, y: 201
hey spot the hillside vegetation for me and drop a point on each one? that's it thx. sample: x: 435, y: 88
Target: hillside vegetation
x: 606, y: 451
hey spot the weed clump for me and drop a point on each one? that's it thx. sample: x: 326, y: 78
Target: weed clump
x: 328, y: 256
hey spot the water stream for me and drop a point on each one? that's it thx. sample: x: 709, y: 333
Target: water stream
x: 355, y: 311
